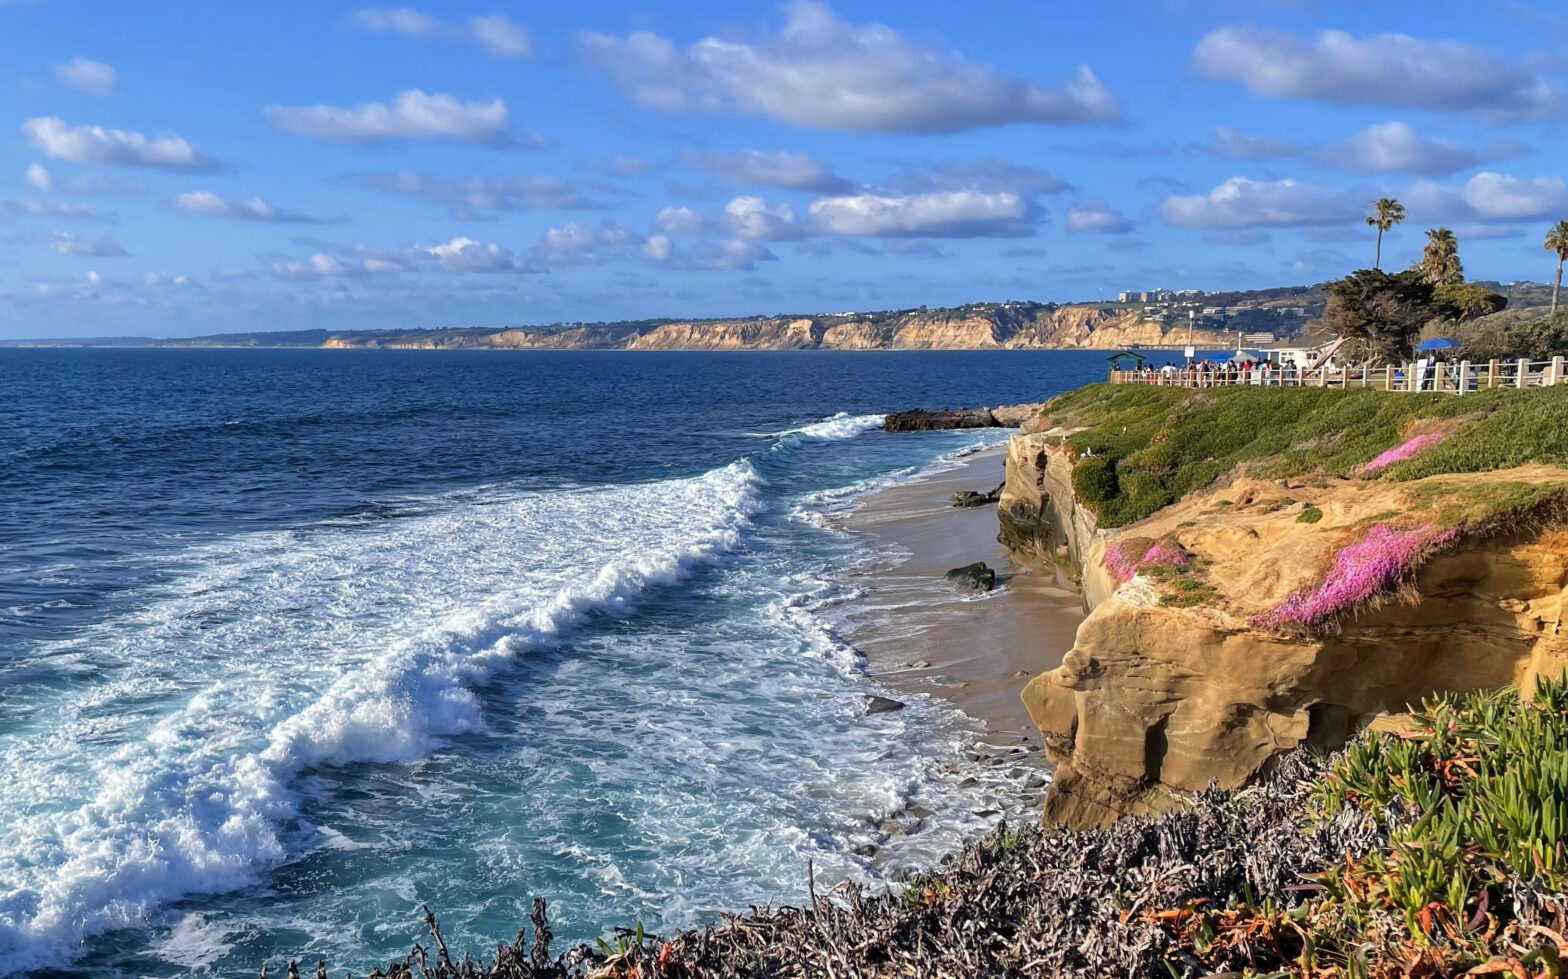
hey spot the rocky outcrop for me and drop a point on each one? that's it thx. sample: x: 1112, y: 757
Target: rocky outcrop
x: 750, y: 334
x: 945, y: 419
x: 1169, y: 687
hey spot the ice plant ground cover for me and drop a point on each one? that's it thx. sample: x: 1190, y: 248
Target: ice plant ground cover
x: 1360, y: 571
x: 1126, y: 558
x: 1403, y: 451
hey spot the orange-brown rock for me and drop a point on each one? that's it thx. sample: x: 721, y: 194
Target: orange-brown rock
x: 1155, y: 699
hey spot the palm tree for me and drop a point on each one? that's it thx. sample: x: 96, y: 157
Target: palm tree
x: 1557, y: 241
x: 1440, y: 265
x: 1386, y: 213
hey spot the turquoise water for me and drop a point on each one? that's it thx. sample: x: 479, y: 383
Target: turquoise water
x: 293, y: 642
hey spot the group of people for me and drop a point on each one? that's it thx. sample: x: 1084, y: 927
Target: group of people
x: 1204, y: 374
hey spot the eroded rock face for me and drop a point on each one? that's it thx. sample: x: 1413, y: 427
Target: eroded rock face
x: 1155, y: 699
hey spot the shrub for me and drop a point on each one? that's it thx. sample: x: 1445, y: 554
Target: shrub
x: 1361, y: 571
x: 1310, y: 515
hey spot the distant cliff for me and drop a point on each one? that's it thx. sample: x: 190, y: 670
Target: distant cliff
x: 1266, y: 569
x: 981, y: 326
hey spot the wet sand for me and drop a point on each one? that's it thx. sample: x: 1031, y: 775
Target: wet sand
x: 920, y: 634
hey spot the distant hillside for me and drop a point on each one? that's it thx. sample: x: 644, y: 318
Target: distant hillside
x: 976, y: 326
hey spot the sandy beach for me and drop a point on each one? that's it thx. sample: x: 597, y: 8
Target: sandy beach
x: 920, y: 634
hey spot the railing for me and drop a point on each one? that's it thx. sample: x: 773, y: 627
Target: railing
x: 1450, y: 378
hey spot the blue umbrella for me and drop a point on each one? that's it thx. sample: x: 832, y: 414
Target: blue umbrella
x: 1437, y: 343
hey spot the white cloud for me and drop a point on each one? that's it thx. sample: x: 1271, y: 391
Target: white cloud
x: 939, y: 214
x: 1098, y: 217
x: 579, y: 244
x: 1385, y: 69
x: 255, y: 209
x: 41, y: 178
x: 751, y: 217
x: 413, y: 114
x: 94, y: 77
x: 84, y: 246
x: 468, y: 255
x: 725, y: 255
x: 991, y: 175
x: 31, y: 207
x: 497, y: 34
x: 318, y: 266
x: 469, y: 197
x: 820, y: 70
x: 113, y: 147
x: 1502, y: 197
x: 1384, y: 147
x: 1243, y: 203
x: 678, y: 221
x: 781, y: 168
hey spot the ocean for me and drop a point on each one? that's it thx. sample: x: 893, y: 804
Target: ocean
x: 293, y: 642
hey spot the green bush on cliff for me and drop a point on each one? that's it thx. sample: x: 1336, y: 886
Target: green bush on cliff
x: 1153, y: 445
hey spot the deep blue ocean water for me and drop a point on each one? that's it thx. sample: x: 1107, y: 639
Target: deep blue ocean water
x: 295, y: 641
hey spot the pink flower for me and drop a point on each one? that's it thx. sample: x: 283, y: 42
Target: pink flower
x: 1128, y: 556
x: 1360, y: 571
x: 1401, y: 452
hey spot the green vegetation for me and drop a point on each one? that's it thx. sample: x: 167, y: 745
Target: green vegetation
x: 1511, y: 334
x: 1471, y: 808
x: 1384, y: 314
x: 1310, y: 515
x: 1144, y: 447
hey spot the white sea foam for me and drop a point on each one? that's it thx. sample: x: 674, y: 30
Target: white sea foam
x: 841, y: 426
x: 279, y: 652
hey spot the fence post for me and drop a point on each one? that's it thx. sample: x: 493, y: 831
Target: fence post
x: 1464, y: 376
x: 1491, y: 373
x: 1522, y: 380
x: 1557, y: 370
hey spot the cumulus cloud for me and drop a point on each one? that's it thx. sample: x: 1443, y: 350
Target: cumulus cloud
x: 496, y: 33
x: 991, y: 175
x: 318, y: 266
x: 93, y: 77
x: 1490, y: 197
x: 1097, y: 217
x: 1383, y: 147
x: 780, y: 168
x: 1243, y: 203
x: 412, y: 115
x: 1385, y: 69
x: 938, y: 214
x: 580, y: 244
x: 84, y: 246
x: 725, y: 255
x: 472, y: 197
x: 114, y: 147
x: 40, y: 177
x: 468, y: 255
x: 751, y: 217
x: 54, y: 209
x: 255, y: 209
x: 678, y: 221
x: 820, y: 70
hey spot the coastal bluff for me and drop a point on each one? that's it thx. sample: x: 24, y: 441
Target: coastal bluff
x: 1260, y: 576
x: 978, y: 326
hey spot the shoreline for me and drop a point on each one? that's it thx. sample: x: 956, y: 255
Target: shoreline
x: 919, y: 635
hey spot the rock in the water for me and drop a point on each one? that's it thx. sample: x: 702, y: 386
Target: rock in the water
x: 881, y: 705
x: 921, y: 420
x: 973, y: 577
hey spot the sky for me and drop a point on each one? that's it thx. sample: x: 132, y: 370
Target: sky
x: 171, y: 169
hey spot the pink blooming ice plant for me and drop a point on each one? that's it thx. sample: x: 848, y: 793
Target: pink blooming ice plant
x: 1126, y: 558
x: 1399, y: 453
x: 1360, y: 571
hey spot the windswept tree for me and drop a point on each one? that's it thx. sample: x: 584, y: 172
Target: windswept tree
x: 1384, y: 313
x: 1557, y: 241
x: 1386, y: 212
x: 1440, y: 265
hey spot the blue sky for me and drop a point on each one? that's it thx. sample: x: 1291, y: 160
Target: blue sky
x: 174, y: 169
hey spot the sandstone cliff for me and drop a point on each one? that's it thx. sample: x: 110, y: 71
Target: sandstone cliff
x: 1248, y: 617
x: 981, y: 326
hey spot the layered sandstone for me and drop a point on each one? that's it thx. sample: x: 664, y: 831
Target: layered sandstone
x: 992, y: 326
x: 1155, y: 699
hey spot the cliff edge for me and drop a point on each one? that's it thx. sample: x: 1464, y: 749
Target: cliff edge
x: 1269, y: 568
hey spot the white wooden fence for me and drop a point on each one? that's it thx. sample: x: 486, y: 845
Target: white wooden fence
x: 1451, y: 378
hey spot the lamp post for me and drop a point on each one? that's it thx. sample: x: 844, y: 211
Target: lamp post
x: 1190, y: 351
